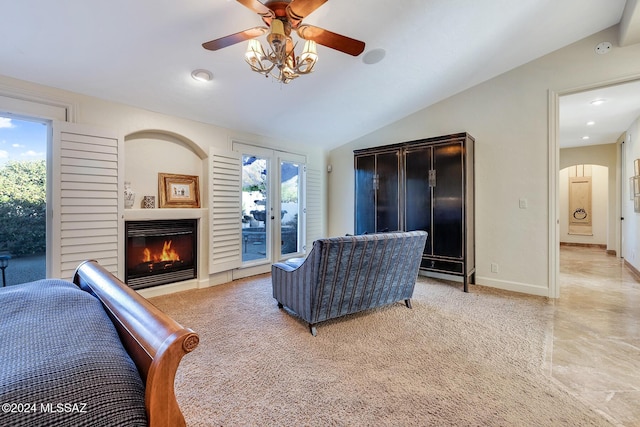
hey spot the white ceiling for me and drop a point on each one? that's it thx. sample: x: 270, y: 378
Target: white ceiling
x: 610, y: 119
x: 141, y: 53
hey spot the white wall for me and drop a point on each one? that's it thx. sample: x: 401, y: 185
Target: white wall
x: 159, y: 143
x: 509, y: 118
x: 599, y: 206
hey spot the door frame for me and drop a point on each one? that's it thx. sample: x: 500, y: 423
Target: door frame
x: 553, y: 170
x: 48, y: 111
x: 273, y: 200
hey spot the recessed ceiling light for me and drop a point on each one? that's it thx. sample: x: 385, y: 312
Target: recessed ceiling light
x: 374, y: 56
x: 597, y: 101
x: 202, y: 75
x: 591, y: 123
x: 585, y: 137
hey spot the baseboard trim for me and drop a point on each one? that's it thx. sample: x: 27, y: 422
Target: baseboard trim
x: 611, y: 252
x: 524, y: 288
x: 585, y: 245
x: 633, y: 270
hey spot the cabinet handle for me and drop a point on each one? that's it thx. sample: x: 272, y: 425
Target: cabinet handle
x: 432, y: 178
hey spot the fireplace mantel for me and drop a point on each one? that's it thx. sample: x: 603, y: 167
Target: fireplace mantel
x: 166, y: 213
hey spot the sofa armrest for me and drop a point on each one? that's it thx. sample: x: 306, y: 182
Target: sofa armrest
x: 283, y: 266
x: 293, y: 285
x: 295, y: 262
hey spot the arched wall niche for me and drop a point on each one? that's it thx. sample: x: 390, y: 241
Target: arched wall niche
x: 150, y: 152
x: 168, y: 136
x: 586, y: 156
x: 605, y: 156
x: 596, y: 231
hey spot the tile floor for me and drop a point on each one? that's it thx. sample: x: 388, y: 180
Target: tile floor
x: 596, y: 339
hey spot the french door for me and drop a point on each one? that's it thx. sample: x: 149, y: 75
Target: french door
x: 272, y: 205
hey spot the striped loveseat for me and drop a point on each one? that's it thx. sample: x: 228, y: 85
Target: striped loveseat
x: 344, y: 275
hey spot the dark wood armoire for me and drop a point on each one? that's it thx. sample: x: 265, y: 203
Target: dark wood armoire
x: 427, y: 185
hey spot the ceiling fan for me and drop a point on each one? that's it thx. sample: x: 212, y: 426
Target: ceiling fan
x: 281, y: 17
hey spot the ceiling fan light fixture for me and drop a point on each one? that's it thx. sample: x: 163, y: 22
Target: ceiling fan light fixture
x: 255, y: 56
x: 308, y: 58
x: 277, y: 36
x: 280, y: 63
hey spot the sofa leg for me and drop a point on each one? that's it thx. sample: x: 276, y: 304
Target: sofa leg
x: 313, y: 330
x: 408, y: 303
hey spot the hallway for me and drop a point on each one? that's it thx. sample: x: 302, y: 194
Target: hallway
x: 596, y: 338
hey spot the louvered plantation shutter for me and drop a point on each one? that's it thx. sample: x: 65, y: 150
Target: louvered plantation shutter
x: 85, y: 199
x: 314, y: 207
x: 225, y: 209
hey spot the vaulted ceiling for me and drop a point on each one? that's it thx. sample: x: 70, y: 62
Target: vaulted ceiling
x: 142, y: 52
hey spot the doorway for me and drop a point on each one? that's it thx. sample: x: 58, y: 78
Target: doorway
x: 23, y: 197
x: 581, y: 119
x: 272, y: 206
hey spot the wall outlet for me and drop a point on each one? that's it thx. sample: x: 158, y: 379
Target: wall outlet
x: 494, y: 267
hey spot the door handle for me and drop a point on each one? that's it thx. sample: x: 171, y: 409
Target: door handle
x: 432, y: 178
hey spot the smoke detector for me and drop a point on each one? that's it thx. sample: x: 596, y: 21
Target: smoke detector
x: 603, y: 48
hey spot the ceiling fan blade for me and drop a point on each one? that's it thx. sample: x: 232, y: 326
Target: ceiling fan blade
x: 329, y: 39
x: 297, y: 10
x: 232, y: 39
x: 257, y: 7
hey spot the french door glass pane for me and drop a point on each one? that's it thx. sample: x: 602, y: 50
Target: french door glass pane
x: 289, y: 207
x: 254, y: 208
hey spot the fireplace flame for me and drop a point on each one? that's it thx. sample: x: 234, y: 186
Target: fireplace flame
x: 167, y: 254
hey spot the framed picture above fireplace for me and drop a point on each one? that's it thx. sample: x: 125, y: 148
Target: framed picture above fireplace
x: 178, y: 191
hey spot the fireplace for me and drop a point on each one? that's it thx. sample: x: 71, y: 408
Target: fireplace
x: 160, y: 252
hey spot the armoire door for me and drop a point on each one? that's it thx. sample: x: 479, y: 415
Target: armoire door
x: 448, y: 201
x: 417, y: 164
x: 387, y: 199
x: 365, y: 206
x: 377, y: 192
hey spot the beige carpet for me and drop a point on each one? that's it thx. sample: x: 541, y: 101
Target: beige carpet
x: 455, y: 359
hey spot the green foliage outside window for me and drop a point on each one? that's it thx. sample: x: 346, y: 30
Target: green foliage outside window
x: 23, y: 207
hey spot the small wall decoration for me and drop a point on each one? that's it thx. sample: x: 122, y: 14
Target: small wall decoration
x: 580, y: 208
x: 178, y: 191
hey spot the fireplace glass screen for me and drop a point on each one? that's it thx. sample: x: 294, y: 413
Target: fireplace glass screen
x: 160, y: 252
